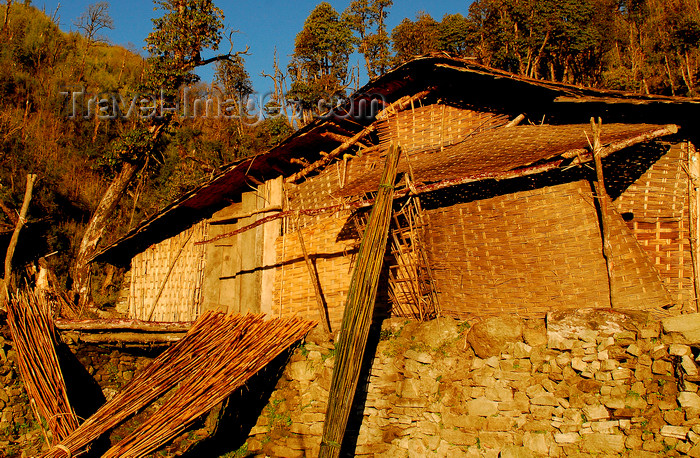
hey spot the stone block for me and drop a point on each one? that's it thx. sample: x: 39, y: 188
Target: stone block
x: 567, y: 438
x: 482, y: 407
x: 689, y: 400
x: 678, y: 432
x: 490, y: 336
x: 683, y: 329
x: 596, y: 412
x: 457, y: 437
x: 603, y: 443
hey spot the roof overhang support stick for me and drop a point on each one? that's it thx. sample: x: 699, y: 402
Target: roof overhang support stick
x: 322, y: 312
x: 603, y: 205
x: 359, y: 309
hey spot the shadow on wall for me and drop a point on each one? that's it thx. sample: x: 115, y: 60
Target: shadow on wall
x: 241, y: 411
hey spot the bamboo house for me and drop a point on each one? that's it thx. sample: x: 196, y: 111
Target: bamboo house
x: 500, y: 206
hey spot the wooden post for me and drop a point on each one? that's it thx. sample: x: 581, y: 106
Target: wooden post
x: 603, y: 202
x: 694, y: 226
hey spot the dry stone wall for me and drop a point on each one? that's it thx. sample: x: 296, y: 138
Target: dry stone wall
x: 585, y: 383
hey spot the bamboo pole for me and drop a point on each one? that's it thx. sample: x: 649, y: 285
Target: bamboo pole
x: 603, y: 202
x: 359, y: 308
x: 694, y: 214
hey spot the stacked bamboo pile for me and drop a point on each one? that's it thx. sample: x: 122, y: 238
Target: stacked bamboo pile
x: 217, y: 356
x: 358, y: 312
x: 34, y: 337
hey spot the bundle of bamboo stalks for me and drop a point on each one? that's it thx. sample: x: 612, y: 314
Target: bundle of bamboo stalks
x: 217, y: 356
x: 359, y: 308
x: 34, y: 337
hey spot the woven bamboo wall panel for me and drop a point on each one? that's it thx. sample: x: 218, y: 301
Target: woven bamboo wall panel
x: 333, y: 259
x: 657, y: 204
x: 434, y: 126
x: 180, y: 297
x: 528, y: 253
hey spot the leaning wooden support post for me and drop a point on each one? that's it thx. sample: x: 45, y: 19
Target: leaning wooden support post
x: 603, y: 202
x: 322, y: 312
x: 359, y: 308
x: 694, y: 226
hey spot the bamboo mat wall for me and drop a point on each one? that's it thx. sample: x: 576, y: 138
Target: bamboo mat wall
x: 527, y: 253
x: 658, y: 206
x: 172, y: 268
x: 333, y: 258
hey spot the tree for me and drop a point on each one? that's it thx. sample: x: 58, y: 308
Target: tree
x: 186, y: 29
x: 93, y: 20
x: 454, y: 31
x: 319, y: 65
x: 410, y: 39
x: 367, y: 20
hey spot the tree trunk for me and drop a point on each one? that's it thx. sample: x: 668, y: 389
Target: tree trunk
x: 7, y: 17
x: 95, y: 229
x: 31, y: 179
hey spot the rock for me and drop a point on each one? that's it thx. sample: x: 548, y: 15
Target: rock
x: 456, y: 437
x: 689, y: 365
x: 571, y: 324
x: 535, y: 333
x: 490, y: 336
x: 596, y: 412
x: 678, y: 432
x: 513, y: 451
x: 566, y: 438
x: 679, y: 350
x: 537, y: 442
x: 689, y: 400
x: 301, y: 370
x: 603, y: 443
x: 683, y: 329
x: 438, y: 332
x: 482, y: 407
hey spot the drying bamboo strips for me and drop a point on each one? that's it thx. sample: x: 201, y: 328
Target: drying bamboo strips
x: 217, y: 356
x: 33, y: 334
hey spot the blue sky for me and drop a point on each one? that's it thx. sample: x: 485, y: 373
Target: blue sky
x: 262, y: 25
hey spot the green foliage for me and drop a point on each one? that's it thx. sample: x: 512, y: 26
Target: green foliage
x: 186, y: 28
x: 367, y: 20
x: 319, y: 66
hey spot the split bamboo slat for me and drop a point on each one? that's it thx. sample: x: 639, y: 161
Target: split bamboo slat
x: 216, y: 357
x: 359, y: 308
x: 34, y: 337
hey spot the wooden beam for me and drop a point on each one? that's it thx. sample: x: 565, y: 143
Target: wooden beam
x: 235, y: 218
x: 122, y: 325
